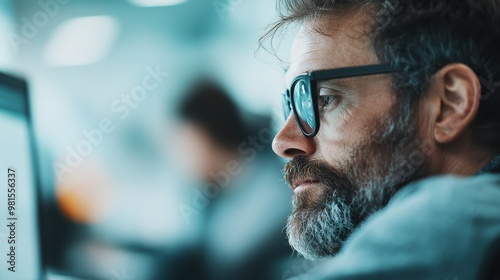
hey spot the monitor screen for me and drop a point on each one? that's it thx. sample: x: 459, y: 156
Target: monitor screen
x: 19, y: 233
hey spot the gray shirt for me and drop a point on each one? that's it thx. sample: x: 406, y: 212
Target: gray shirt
x: 438, y: 228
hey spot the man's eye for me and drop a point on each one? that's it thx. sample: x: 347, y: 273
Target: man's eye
x: 325, y: 100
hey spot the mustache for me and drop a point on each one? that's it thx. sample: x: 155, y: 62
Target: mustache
x: 301, y: 167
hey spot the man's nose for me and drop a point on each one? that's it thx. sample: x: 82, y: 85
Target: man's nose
x: 291, y: 142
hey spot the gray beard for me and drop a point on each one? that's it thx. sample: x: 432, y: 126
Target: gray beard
x: 316, y: 234
x: 323, y: 218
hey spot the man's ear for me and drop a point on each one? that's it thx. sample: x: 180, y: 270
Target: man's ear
x: 457, y: 93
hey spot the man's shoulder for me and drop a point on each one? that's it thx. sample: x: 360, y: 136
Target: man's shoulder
x: 445, y: 207
x: 441, y: 227
x: 445, y: 191
x: 444, y: 202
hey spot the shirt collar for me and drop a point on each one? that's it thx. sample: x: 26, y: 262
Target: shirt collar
x: 492, y: 167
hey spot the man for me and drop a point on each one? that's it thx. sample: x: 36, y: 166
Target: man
x: 234, y: 218
x: 382, y: 94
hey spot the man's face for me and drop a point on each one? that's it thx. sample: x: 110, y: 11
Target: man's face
x: 197, y: 152
x: 352, y: 167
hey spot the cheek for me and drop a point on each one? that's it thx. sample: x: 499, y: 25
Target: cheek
x: 352, y: 125
x: 336, y: 139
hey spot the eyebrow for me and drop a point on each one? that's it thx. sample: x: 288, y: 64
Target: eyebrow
x: 340, y: 84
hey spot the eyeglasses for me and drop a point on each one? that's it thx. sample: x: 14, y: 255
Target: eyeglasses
x: 302, y: 96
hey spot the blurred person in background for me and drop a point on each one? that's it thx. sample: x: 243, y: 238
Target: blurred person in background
x: 234, y: 204
x: 383, y: 94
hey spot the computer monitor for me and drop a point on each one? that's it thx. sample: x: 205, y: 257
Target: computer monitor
x: 20, y: 247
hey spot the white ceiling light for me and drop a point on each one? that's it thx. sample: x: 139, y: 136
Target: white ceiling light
x: 81, y: 41
x: 156, y: 3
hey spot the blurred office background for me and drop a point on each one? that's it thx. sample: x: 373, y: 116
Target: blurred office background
x: 106, y: 77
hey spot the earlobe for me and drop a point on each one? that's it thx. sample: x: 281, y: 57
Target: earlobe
x: 459, y: 93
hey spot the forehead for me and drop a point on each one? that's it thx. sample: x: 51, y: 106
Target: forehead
x: 331, y: 42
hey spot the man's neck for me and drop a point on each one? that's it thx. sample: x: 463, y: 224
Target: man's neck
x: 464, y: 161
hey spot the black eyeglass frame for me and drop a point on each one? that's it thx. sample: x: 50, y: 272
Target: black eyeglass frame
x: 310, y: 80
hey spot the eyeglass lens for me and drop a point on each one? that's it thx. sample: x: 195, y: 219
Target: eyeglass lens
x: 304, y: 106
